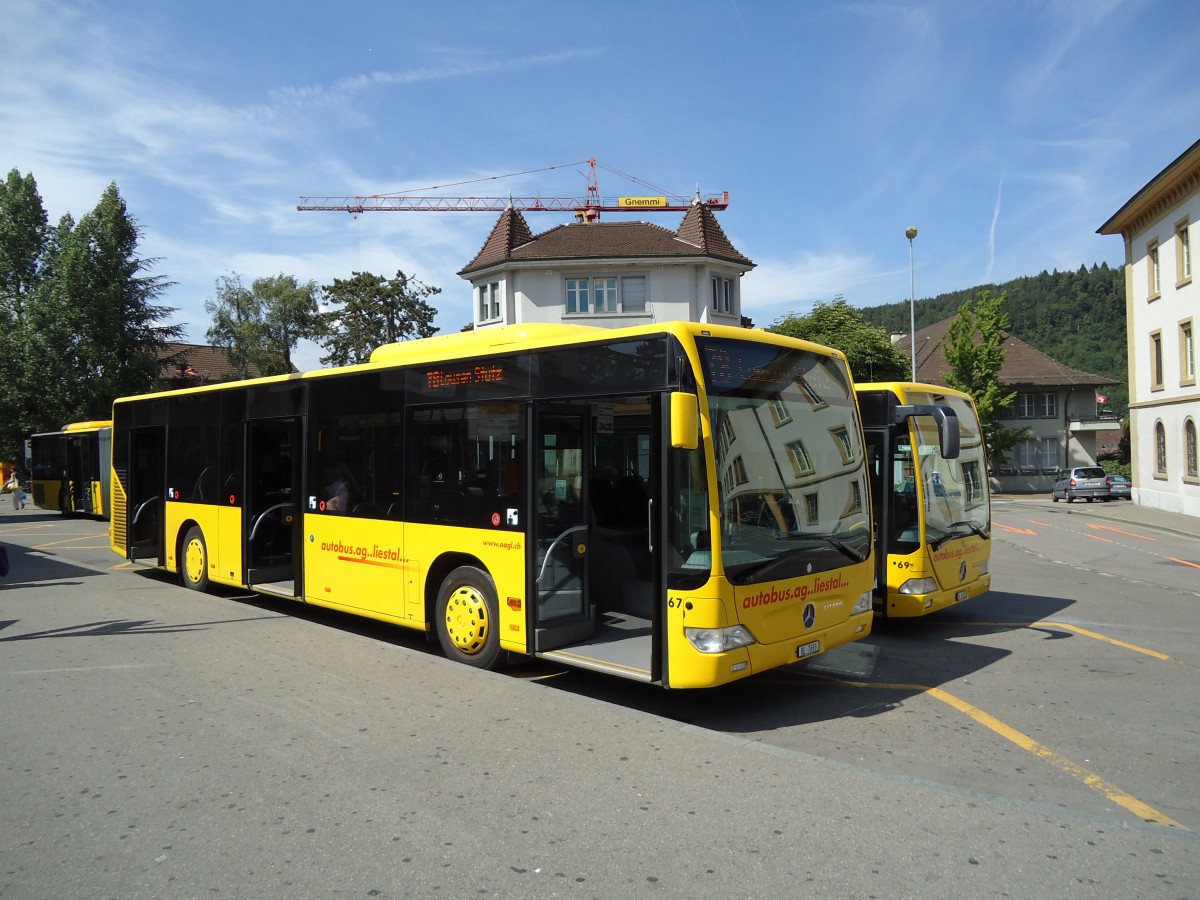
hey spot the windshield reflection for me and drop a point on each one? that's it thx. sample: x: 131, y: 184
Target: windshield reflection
x: 790, y: 462
x: 956, y: 494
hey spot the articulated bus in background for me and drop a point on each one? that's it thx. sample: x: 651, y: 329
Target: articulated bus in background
x: 930, y: 492
x: 677, y: 504
x: 72, y: 469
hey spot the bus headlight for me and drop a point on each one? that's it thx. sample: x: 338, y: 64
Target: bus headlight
x: 983, y: 567
x: 718, y: 640
x: 865, y: 603
x: 919, y: 586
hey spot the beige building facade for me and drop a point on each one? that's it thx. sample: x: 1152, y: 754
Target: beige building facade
x: 1162, y: 297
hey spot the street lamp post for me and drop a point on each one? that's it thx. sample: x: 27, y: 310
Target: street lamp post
x: 910, y: 233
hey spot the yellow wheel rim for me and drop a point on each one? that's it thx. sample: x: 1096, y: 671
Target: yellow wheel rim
x: 194, y: 561
x: 467, y: 620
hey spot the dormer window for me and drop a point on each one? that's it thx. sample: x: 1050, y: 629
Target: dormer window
x: 722, y: 295
x: 489, y: 301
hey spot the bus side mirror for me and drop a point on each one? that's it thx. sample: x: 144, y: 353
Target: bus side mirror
x: 947, y: 425
x: 685, y: 421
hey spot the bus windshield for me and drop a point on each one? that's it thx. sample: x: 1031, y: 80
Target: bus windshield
x: 790, y: 463
x: 955, y: 490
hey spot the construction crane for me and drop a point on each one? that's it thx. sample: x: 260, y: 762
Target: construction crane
x: 587, y: 209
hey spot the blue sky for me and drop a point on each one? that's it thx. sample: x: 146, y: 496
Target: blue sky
x: 1007, y: 132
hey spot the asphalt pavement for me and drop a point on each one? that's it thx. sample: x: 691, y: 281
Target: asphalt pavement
x: 1116, y: 510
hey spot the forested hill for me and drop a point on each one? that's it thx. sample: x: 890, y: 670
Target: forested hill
x: 1078, y: 318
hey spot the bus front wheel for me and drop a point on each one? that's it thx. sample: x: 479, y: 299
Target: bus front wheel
x: 468, y: 617
x: 194, y: 557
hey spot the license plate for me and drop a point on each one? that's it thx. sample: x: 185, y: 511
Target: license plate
x: 810, y: 649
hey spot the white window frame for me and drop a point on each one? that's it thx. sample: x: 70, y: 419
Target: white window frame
x: 1154, y: 271
x: 1183, y: 253
x: 724, y: 295
x: 490, y: 305
x: 603, y: 295
x: 1187, y: 353
x: 1048, y: 405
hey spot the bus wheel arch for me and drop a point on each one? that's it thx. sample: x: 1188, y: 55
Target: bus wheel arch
x: 193, y: 558
x: 467, y: 617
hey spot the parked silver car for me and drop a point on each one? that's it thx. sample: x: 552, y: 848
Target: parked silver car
x: 1086, y: 482
x: 1119, y: 488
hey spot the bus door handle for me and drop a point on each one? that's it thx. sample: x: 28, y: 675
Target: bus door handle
x: 550, y: 550
x: 650, y: 523
x: 266, y: 512
x: 137, y: 513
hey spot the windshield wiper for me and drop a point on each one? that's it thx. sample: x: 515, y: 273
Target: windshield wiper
x: 937, y: 543
x: 841, y: 547
x: 844, y: 548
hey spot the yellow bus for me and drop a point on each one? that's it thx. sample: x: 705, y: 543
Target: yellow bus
x: 71, y: 469
x: 676, y: 504
x: 931, y: 496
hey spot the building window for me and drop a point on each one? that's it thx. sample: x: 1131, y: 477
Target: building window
x: 811, y: 509
x: 1160, y: 450
x: 1189, y: 449
x: 854, y: 503
x: 801, y: 464
x: 1042, y: 405
x: 1187, y: 353
x: 489, y: 301
x: 722, y: 295
x: 1036, y: 455
x: 739, y: 471
x: 1183, y: 253
x: 841, y: 437
x: 606, y: 295
x: 728, y: 435
x: 779, y: 412
x: 1156, y: 361
x: 633, y: 294
x: 578, y: 296
x: 1153, y: 271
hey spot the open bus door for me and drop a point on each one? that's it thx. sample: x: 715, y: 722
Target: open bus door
x: 562, y: 610
x: 147, y: 476
x: 270, y: 515
x: 599, y: 533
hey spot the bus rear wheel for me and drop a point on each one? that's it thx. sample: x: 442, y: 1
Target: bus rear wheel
x: 468, y: 618
x: 194, y: 559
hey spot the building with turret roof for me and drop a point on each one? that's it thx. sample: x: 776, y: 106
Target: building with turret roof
x: 610, y: 274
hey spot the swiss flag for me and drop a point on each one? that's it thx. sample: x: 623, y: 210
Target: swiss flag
x: 1101, y: 399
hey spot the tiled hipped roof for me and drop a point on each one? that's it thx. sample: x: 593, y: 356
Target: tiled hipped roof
x: 1023, y: 365
x: 191, y: 365
x: 511, y: 240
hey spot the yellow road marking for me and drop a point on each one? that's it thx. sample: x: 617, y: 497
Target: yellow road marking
x: 1096, y: 537
x: 1091, y: 779
x: 1015, y: 530
x: 1115, y: 794
x: 1184, y: 562
x: 1099, y: 637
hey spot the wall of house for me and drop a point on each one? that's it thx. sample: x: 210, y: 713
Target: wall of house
x: 1162, y: 405
x: 674, y: 292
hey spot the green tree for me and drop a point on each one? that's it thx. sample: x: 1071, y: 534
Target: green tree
x: 24, y: 235
x: 975, y: 352
x: 868, y: 349
x: 290, y: 314
x: 369, y: 311
x: 239, y: 323
x: 259, y: 327
x: 92, y: 330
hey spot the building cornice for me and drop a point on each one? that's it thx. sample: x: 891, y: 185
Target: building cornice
x: 1168, y: 189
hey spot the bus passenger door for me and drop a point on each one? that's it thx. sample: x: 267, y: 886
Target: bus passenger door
x: 562, y: 613
x: 273, y: 460
x: 145, y: 512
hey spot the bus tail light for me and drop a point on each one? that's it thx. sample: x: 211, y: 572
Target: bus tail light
x: 918, y: 586
x: 718, y: 640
